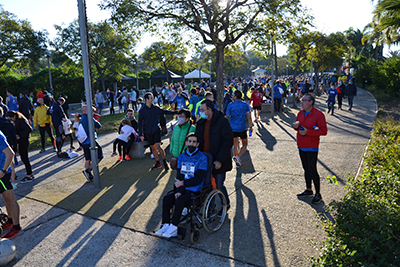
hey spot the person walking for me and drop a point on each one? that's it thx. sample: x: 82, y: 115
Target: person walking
x: 25, y: 106
x: 57, y: 115
x: 237, y: 113
x: 350, y: 93
x: 149, y: 118
x: 278, y: 91
x: 215, y: 136
x: 11, y: 101
x: 6, y: 190
x: 340, y: 89
x: 23, y: 131
x: 45, y: 125
x: 310, y: 125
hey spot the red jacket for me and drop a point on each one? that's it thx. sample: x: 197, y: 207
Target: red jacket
x: 314, y: 118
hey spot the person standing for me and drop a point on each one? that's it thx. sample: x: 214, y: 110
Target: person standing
x: 133, y: 98
x: 57, y: 115
x: 278, y: 91
x: 149, y: 118
x: 184, y: 127
x: 11, y: 101
x: 350, y: 92
x: 45, y: 125
x: 25, y: 106
x: 111, y: 99
x: 99, y: 99
x: 3, y: 107
x: 23, y: 131
x: 86, y: 144
x: 6, y: 190
x: 65, y: 106
x: 310, y: 125
x: 237, y: 112
x: 215, y: 136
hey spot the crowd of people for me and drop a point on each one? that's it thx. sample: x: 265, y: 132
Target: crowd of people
x: 201, y: 127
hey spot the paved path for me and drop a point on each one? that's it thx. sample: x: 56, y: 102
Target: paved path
x: 70, y: 223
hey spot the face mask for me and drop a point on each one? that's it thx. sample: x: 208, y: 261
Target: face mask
x: 203, y: 115
x: 191, y: 149
x: 20, y: 97
x: 181, y: 120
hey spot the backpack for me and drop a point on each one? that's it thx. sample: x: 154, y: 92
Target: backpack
x: 81, y: 134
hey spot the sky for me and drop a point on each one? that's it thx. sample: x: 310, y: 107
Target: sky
x: 330, y: 16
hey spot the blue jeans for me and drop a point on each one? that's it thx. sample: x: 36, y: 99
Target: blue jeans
x: 350, y: 98
x: 220, y: 179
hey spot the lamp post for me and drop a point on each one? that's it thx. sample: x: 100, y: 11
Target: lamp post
x: 287, y: 66
x: 48, y: 62
x: 209, y: 62
x: 311, y: 70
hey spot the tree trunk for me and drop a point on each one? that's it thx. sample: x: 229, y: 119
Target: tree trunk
x: 219, y: 69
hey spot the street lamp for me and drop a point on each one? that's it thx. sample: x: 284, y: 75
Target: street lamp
x: 311, y: 79
x: 209, y: 62
x: 48, y: 62
x: 287, y: 66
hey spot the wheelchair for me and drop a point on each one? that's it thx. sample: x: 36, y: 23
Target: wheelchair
x: 207, y: 209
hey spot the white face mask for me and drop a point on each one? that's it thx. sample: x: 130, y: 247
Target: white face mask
x: 181, y: 120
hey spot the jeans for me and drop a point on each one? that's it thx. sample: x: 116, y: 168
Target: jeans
x: 220, y: 179
x: 350, y: 98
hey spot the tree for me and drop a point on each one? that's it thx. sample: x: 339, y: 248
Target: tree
x: 109, y: 49
x: 218, y: 23
x: 387, y: 14
x: 169, y: 56
x: 18, y: 41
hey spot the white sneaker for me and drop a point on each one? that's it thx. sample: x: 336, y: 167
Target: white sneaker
x: 162, y: 230
x: 236, y: 159
x: 184, y: 211
x: 171, y: 231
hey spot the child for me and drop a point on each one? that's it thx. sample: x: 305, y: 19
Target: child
x: 77, y: 118
x: 122, y: 140
x: 139, y: 104
x: 332, y: 93
x: 67, y: 132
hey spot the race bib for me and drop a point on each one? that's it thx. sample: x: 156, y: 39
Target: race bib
x: 188, y: 169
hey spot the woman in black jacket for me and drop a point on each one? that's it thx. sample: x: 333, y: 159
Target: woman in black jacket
x: 23, y: 131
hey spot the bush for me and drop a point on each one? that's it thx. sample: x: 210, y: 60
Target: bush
x: 366, y: 229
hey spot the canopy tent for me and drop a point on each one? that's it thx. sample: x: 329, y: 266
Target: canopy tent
x: 163, y: 76
x: 197, y: 74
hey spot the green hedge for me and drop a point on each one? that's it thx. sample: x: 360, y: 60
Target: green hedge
x: 366, y: 229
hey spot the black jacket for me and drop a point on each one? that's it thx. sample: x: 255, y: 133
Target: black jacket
x: 23, y: 130
x: 25, y: 107
x: 149, y: 117
x: 221, y: 140
x: 351, y: 89
x: 9, y: 132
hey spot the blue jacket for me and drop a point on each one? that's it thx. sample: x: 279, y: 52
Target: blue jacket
x: 149, y: 118
x: 85, y: 123
x: 57, y: 113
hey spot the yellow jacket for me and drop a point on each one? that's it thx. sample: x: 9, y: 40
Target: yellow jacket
x: 41, y: 116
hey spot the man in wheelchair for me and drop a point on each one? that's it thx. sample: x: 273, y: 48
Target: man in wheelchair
x: 191, y: 173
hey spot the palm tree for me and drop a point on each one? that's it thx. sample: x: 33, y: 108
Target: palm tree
x: 387, y: 14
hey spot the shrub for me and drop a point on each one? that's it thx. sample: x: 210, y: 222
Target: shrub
x: 366, y: 229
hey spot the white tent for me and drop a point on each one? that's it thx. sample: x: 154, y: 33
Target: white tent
x: 196, y: 75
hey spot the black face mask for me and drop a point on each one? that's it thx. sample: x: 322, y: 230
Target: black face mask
x: 191, y: 149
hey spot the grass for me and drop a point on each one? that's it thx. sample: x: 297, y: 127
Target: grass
x: 109, y: 123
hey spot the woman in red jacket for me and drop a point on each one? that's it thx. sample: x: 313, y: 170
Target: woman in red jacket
x: 310, y: 125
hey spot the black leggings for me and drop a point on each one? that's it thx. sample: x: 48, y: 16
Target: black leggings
x: 169, y: 201
x: 121, y: 145
x: 59, y: 133
x: 309, y: 162
x: 42, y: 131
x: 23, y: 146
x: 70, y: 138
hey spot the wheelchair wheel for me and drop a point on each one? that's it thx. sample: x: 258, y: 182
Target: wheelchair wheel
x: 3, y: 218
x: 195, y: 236
x: 214, y: 211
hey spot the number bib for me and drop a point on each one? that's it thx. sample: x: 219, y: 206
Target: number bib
x: 188, y: 169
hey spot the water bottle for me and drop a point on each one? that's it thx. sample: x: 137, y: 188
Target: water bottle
x: 250, y: 133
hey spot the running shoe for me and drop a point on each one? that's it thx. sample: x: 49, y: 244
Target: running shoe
x: 156, y: 166
x: 236, y: 159
x: 172, y: 231
x: 317, y: 198
x: 113, y: 154
x: 162, y: 230
x: 6, y: 225
x: 305, y: 193
x: 42, y: 150
x: 166, y: 168
x: 13, y: 233
x: 27, y: 179
x: 119, y: 158
x: 127, y: 157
